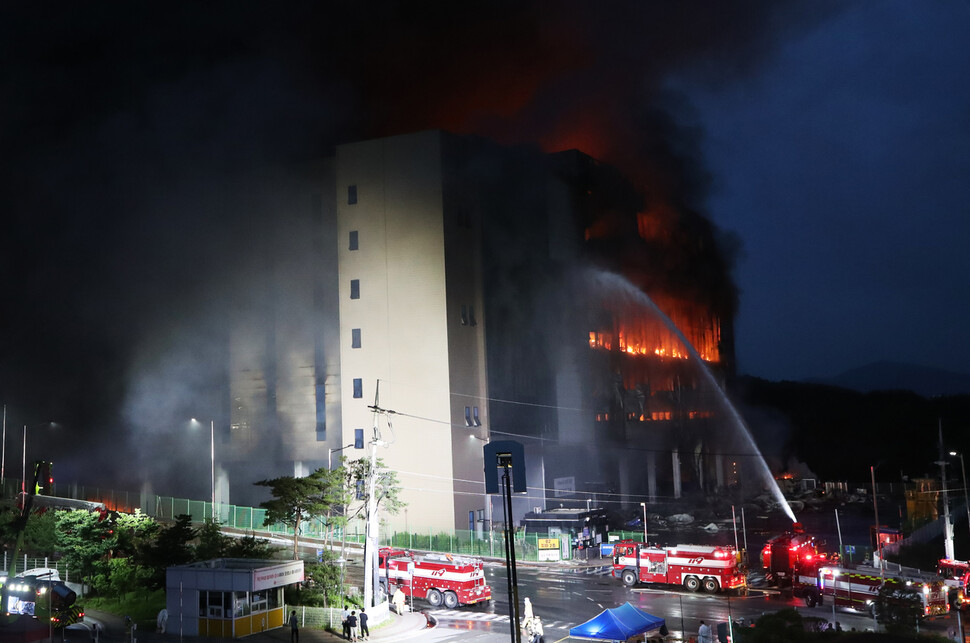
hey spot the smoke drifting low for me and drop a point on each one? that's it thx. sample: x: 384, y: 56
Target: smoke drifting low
x: 129, y: 131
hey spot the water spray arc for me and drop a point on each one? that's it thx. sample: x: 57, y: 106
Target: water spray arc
x: 607, y: 280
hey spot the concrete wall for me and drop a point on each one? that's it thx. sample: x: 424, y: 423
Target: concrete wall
x: 402, y: 315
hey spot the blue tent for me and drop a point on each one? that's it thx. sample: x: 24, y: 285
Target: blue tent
x: 632, y: 614
x: 617, y: 624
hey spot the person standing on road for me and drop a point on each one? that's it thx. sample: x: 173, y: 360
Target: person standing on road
x: 352, y: 625
x: 399, y: 601
x: 344, y: 616
x: 704, y: 633
x: 294, y: 628
x: 528, y: 615
x: 364, y: 632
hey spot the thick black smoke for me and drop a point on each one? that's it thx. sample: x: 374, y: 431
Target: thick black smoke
x: 128, y: 131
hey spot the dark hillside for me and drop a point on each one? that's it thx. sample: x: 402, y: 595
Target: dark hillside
x: 839, y: 433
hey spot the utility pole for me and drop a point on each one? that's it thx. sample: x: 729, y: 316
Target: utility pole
x: 3, y: 449
x: 371, y: 574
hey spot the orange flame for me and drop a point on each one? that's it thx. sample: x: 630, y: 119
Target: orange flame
x: 641, y: 333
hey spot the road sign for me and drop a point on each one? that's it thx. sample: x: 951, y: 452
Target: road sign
x: 548, y: 549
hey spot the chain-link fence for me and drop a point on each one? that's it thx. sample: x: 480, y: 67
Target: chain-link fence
x: 251, y: 519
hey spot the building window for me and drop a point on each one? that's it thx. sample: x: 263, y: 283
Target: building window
x: 463, y: 316
x: 475, y: 418
x: 355, y: 338
x: 353, y: 240
x: 241, y: 601
x: 468, y: 416
x: 351, y: 194
x: 471, y: 316
x: 358, y: 387
x: 355, y: 288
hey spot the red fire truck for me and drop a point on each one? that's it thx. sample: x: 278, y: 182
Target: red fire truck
x: 437, y: 578
x: 858, y: 588
x: 785, y: 553
x: 693, y: 566
x: 956, y: 575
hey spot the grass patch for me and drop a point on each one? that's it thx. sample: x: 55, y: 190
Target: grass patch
x: 142, y: 606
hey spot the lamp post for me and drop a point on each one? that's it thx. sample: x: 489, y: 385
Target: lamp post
x: 644, y: 505
x: 330, y: 453
x: 212, y: 463
x: 966, y: 498
x: 488, y: 503
x: 947, y: 525
x: 875, y: 507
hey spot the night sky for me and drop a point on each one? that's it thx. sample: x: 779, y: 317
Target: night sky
x: 828, y: 141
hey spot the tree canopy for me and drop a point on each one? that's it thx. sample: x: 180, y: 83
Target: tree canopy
x: 297, y: 499
x: 84, y: 538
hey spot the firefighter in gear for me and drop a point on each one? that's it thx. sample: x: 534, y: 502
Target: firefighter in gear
x: 535, y: 630
x: 399, y: 601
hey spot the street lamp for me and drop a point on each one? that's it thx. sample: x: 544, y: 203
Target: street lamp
x: 212, y: 462
x: 644, y: 505
x: 330, y: 453
x: 966, y: 498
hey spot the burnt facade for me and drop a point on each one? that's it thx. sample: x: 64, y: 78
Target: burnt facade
x: 586, y: 326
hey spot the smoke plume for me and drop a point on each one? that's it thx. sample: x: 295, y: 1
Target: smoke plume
x: 129, y: 130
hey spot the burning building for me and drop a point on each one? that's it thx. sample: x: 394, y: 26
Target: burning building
x: 480, y: 292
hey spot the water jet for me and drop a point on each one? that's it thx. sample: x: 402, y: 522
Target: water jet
x: 617, y: 283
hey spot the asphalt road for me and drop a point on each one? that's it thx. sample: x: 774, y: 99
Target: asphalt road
x: 563, y: 599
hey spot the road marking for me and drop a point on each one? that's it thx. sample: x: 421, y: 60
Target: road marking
x: 647, y: 590
x: 458, y: 615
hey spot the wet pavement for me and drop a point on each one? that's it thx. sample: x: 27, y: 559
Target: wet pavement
x: 396, y: 628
